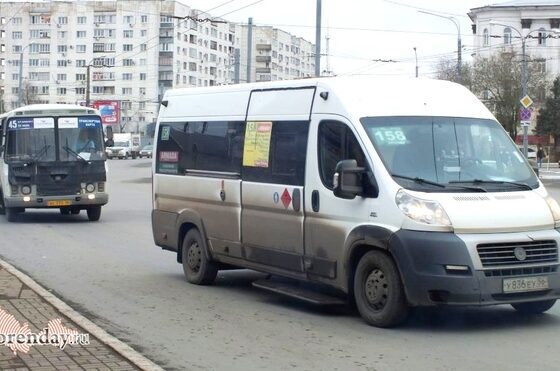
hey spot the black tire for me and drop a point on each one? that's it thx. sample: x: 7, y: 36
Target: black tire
x: 64, y: 211
x: 534, y: 307
x: 126, y: 156
x: 11, y: 214
x: 94, y: 213
x: 2, y: 207
x: 378, y: 290
x: 75, y: 211
x: 198, y: 269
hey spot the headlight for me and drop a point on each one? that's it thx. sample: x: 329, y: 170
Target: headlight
x: 122, y: 152
x: 26, y: 189
x: 554, y: 209
x: 423, y: 211
x: 90, y: 188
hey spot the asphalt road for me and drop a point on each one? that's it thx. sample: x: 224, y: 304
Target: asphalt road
x: 115, y: 275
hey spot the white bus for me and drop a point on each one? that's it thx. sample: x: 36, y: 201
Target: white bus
x: 52, y: 156
x: 396, y: 192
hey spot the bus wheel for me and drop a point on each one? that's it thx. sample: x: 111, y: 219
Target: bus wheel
x: 94, y: 213
x: 64, y: 211
x: 378, y: 290
x: 11, y: 214
x: 198, y: 269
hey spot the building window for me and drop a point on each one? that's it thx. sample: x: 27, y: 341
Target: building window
x: 62, y: 48
x: 485, y: 37
x: 62, y: 34
x: 81, y: 34
x: 127, y: 91
x: 144, y: 19
x: 17, y: 35
x: 128, y: 34
x: 542, y: 37
x: 128, y: 19
x: 62, y: 20
x: 60, y: 91
x: 81, y: 91
x: 80, y: 62
x: 143, y: 33
x: 16, y: 20
x: 80, y: 77
x: 128, y: 62
x: 143, y: 47
x: 127, y: 47
x: 142, y: 76
x: 62, y: 63
x: 82, y: 20
x: 81, y: 48
x: 127, y: 76
x: 61, y: 77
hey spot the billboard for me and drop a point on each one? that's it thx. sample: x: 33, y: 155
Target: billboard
x: 109, y: 110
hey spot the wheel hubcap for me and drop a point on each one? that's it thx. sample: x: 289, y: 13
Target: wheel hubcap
x: 194, y: 257
x: 377, y: 289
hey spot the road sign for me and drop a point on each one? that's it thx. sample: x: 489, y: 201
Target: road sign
x: 526, y: 101
x: 525, y: 114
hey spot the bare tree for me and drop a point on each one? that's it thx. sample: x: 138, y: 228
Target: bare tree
x: 29, y: 94
x: 497, y: 80
x: 446, y: 69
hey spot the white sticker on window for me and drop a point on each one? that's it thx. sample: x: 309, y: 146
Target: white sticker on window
x: 43, y: 123
x: 67, y: 122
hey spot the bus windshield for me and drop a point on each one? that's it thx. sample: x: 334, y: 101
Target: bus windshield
x: 421, y: 152
x: 80, y: 137
x: 30, y: 139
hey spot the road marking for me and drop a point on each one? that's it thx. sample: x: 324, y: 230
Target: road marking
x: 123, y: 349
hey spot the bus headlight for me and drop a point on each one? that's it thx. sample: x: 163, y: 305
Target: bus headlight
x: 26, y: 190
x: 423, y: 211
x: 90, y: 188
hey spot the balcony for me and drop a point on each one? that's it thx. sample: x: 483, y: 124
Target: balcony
x: 262, y: 70
x: 263, y: 58
x: 264, y: 47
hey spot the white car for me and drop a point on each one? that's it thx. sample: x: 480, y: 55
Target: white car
x: 531, y: 152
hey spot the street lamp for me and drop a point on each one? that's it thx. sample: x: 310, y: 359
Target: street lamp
x: 20, y: 82
x: 524, y: 75
x: 416, y: 57
x: 459, y: 47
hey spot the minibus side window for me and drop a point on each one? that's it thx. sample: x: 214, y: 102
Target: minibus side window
x: 336, y: 143
x: 286, y: 155
x: 213, y: 146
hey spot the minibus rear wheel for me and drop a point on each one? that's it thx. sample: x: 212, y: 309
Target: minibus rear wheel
x: 534, y: 307
x: 198, y: 269
x: 378, y: 290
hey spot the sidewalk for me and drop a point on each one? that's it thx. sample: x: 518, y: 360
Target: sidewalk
x: 34, y: 306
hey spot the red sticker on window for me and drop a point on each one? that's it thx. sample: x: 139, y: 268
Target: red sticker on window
x: 171, y: 156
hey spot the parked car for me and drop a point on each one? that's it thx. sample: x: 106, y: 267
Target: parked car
x: 146, y: 151
x: 531, y: 152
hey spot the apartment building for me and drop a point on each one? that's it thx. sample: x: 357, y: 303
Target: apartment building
x: 276, y: 54
x: 135, y: 49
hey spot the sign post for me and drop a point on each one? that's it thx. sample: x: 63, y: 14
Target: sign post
x: 525, y: 118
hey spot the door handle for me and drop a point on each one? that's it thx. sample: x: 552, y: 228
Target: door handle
x: 315, y: 200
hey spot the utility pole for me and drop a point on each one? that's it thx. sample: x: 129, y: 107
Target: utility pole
x: 249, y: 47
x: 236, y: 66
x: 459, y: 44
x: 416, y: 57
x: 318, y: 40
x: 327, y: 52
x: 524, y: 83
x: 20, y: 83
x: 87, y: 84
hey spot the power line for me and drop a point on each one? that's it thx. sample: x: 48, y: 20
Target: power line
x: 425, y: 9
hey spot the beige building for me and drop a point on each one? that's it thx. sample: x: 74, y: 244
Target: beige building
x: 276, y: 54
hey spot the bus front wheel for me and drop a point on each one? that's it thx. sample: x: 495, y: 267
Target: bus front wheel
x: 94, y: 213
x: 11, y: 214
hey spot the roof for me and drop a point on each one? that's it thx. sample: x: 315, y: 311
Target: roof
x: 59, y: 108
x: 527, y: 3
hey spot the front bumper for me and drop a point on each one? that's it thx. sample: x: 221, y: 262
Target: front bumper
x: 422, y: 258
x: 36, y: 202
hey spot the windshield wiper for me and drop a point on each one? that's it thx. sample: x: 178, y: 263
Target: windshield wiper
x: 480, y: 181
x: 43, y: 151
x: 424, y: 181
x: 70, y: 150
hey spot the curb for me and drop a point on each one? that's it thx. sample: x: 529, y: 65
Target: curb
x: 118, y: 346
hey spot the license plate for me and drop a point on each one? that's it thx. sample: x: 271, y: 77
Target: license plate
x: 59, y: 203
x: 525, y: 284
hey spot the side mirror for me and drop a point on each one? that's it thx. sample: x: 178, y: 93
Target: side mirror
x: 347, y: 179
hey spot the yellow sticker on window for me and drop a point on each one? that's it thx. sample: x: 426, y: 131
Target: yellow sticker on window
x: 257, y: 144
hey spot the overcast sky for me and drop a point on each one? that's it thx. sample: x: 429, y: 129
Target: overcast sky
x: 364, y: 30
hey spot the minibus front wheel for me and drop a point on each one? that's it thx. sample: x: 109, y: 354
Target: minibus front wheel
x: 378, y: 290
x: 196, y: 265
x: 534, y: 307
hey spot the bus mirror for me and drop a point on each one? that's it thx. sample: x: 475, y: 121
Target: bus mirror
x: 347, y: 179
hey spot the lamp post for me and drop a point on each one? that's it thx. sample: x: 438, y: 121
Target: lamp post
x: 459, y: 46
x: 524, y: 75
x: 416, y: 57
x: 20, y: 82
